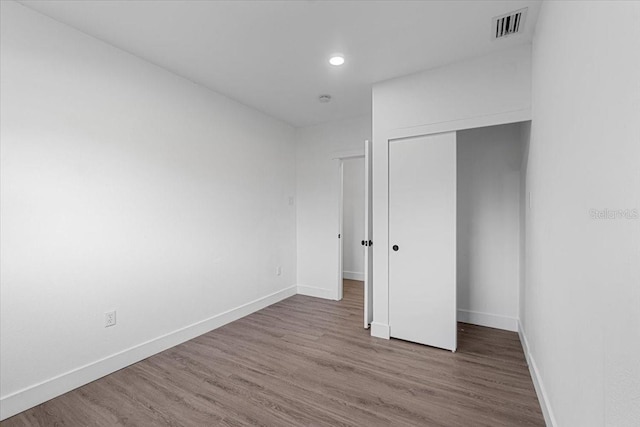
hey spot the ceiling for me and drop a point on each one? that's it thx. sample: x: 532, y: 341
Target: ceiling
x: 273, y: 55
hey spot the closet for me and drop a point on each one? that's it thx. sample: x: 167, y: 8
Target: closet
x: 455, y: 216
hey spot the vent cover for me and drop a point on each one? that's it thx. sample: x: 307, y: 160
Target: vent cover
x: 509, y: 24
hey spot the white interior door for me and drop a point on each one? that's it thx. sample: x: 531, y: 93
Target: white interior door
x: 368, y: 250
x: 422, y: 239
x: 340, y: 291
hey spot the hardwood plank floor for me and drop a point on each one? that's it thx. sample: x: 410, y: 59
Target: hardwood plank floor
x: 308, y: 362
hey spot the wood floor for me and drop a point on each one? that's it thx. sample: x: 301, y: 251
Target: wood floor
x: 308, y: 362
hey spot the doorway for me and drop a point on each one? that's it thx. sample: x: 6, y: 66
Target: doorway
x: 354, y: 231
x: 353, y: 249
x: 353, y: 219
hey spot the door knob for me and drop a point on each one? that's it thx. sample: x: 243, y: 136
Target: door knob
x: 395, y: 248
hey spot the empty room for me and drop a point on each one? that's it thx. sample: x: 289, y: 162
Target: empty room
x: 320, y: 213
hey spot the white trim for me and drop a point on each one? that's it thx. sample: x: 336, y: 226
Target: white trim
x: 31, y: 396
x: 506, y: 117
x: 347, y: 154
x: 543, y: 398
x: 353, y: 275
x: 380, y: 330
x: 490, y: 320
x: 312, y: 291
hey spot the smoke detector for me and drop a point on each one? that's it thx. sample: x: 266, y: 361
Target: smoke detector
x: 509, y: 24
x: 324, y: 98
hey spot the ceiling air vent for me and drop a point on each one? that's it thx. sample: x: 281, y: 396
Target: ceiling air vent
x: 509, y: 24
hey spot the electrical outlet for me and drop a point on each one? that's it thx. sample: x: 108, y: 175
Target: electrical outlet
x: 109, y: 318
x: 278, y: 271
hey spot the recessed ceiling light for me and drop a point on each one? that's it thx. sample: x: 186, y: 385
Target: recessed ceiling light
x: 324, y: 98
x: 336, y: 60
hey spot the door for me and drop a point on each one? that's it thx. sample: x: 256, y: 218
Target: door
x: 422, y: 236
x: 339, y: 293
x: 368, y: 250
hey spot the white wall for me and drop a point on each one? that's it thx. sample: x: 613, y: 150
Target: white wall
x: 525, y: 139
x: 318, y: 191
x: 488, y: 226
x: 582, y: 317
x: 490, y: 90
x: 491, y: 85
x: 126, y: 187
x: 353, y: 219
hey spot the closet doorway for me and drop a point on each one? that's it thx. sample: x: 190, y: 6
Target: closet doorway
x: 457, y: 210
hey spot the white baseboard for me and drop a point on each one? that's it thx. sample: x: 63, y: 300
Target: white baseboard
x: 543, y: 398
x: 352, y: 275
x: 31, y: 396
x: 312, y: 291
x: 487, y: 319
x: 380, y: 330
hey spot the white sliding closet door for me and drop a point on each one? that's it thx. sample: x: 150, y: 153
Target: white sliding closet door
x: 422, y: 239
